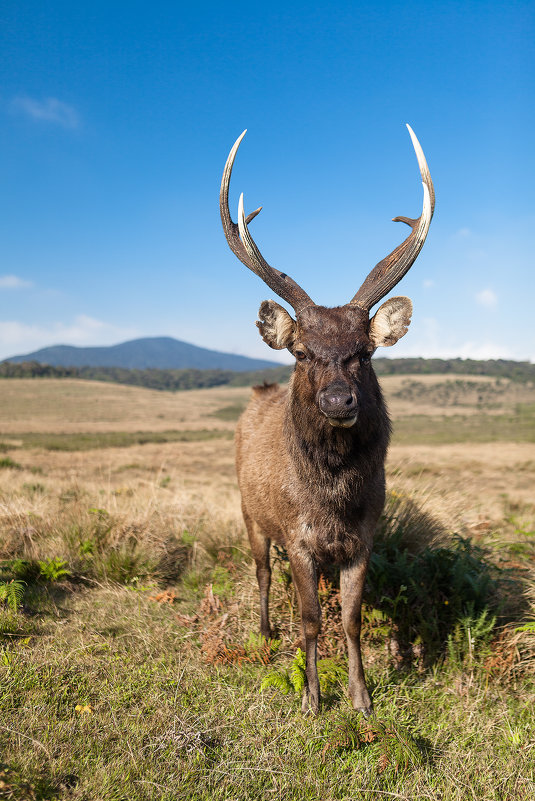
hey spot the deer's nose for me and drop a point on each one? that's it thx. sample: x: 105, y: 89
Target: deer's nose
x: 337, y: 400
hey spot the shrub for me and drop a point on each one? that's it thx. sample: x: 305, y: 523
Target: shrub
x: 8, y: 463
x: 420, y: 586
x: 425, y: 595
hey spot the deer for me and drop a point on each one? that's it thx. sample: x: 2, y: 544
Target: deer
x: 310, y: 458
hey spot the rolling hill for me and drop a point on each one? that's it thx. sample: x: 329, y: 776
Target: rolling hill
x: 164, y: 353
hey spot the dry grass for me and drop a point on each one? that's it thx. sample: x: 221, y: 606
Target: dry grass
x: 465, y: 483
x: 461, y: 484
x: 71, y: 405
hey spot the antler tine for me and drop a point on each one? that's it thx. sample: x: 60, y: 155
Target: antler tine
x: 230, y: 228
x: 390, y: 270
x: 246, y: 249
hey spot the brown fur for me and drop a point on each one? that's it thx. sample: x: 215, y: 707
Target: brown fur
x: 309, y: 484
x: 311, y: 460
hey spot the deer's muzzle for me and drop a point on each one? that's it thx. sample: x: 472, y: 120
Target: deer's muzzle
x: 339, y: 404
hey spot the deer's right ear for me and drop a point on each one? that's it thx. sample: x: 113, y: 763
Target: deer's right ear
x: 276, y: 326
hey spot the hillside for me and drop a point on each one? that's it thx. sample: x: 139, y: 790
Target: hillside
x: 163, y: 353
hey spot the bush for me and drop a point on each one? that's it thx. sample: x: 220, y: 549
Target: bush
x: 422, y: 587
x: 422, y: 590
x: 8, y: 463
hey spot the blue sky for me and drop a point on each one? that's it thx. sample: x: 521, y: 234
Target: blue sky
x: 116, y: 120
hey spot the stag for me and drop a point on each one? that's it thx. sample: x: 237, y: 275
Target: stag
x: 310, y: 458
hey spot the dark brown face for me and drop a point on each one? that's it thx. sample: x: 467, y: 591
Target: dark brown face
x: 333, y: 349
x: 333, y: 353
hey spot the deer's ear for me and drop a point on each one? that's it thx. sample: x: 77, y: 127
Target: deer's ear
x: 276, y: 326
x: 390, y: 322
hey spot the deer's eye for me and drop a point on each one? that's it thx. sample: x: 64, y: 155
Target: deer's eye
x: 300, y: 355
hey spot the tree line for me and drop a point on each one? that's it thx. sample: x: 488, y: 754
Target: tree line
x: 174, y: 380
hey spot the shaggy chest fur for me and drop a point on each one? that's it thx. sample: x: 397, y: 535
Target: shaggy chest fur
x: 340, y: 486
x: 310, y: 486
x: 332, y: 543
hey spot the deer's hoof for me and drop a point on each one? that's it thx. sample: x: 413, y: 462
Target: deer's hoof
x: 367, y: 711
x: 362, y: 702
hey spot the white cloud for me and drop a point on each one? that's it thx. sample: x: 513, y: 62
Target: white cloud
x: 48, y: 110
x: 430, y: 342
x: 463, y: 233
x: 486, y: 350
x: 487, y: 298
x: 428, y: 283
x: 17, y: 338
x: 14, y: 282
x: 465, y: 350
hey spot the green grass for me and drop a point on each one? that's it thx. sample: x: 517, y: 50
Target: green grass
x: 414, y: 429
x: 229, y: 413
x: 151, y: 688
x: 163, y: 725
x: 426, y: 430
x: 109, y: 439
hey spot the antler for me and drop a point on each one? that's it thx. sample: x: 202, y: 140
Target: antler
x: 245, y: 248
x: 390, y: 270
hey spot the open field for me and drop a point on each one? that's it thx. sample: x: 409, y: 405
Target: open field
x: 71, y: 405
x: 50, y: 405
x: 130, y: 666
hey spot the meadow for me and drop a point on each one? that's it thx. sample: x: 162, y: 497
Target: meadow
x: 130, y: 661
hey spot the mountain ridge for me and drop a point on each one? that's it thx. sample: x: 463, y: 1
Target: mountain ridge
x: 164, y: 353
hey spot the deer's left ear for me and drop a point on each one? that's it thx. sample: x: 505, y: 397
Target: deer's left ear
x: 390, y: 322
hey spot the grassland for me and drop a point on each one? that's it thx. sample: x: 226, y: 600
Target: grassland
x: 130, y: 666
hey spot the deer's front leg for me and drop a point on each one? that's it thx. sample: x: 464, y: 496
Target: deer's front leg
x: 306, y: 583
x: 352, y: 578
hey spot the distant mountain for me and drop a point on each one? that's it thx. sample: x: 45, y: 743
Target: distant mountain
x: 164, y: 353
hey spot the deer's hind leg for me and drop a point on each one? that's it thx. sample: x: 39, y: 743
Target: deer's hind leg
x: 260, y: 547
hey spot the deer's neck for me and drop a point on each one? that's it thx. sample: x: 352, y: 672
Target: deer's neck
x: 337, y: 459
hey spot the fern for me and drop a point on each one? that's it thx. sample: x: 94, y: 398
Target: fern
x: 12, y: 593
x: 298, y: 672
x: 288, y: 681
x: 399, y: 749
x: 53, y: 569
x: 529, y: 627
x: 278, y: 680
x: 470, y: 636
x: 330, y: 673
x: 258, y: 645
x: 391, y: 745
x: 341, y: 734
